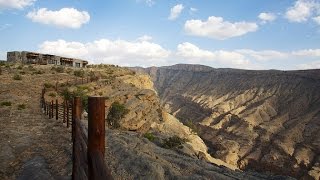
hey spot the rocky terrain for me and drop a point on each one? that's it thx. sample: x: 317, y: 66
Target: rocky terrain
x: 35, y: 147
x: 257, y: 120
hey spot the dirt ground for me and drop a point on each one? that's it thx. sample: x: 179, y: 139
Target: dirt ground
x: 28, y: 139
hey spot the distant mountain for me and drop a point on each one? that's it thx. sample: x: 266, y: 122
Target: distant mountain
x: 263, y: 120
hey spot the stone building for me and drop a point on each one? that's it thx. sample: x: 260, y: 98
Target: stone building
x: 44, y: 59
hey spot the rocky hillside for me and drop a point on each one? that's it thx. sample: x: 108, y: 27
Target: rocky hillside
x: 149, y: 143
x: 260, y: 120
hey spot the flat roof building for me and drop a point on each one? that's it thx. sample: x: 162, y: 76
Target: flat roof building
x: 27, y: 57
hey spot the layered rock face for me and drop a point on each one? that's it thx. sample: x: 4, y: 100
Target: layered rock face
x: 261, y: 120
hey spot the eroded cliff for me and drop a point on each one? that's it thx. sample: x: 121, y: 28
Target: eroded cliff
x: 261, y: 120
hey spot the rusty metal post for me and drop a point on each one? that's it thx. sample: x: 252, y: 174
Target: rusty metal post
x: 76, y: 111
x: 96, y: 132
x: 52, y: 107
x: 57, y: 110
x: 67, y: 114
x: 76, y: 115
x: 47, y: 108
x: 64, y: 111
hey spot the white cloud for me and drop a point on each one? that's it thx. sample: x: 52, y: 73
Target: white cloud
x: 217, y: 28
x: 267, y: 17
x: 302, y: 10
x: 65, y: 17
x: 175, y: 11
x: 307, y: 53
x: 196, y: 55
x: 3, y: 55
x: 147, y: 53
x: 191, y: 51
x: 147, y: 2
x: 15, y: 4
x: 193, y: 10
x: 144, y: 38
x: 150, y: 2
x: 264, y: 55
x: 317, y: 19
x: 107, y: 51
x: 311, y: 65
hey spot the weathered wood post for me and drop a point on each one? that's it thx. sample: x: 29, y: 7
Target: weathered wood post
x: 76, y: 115
x: 56, y: 88
x: 87, y: 79
x: 82, y: 80
x: 57, y: 110
x: 96, y: 138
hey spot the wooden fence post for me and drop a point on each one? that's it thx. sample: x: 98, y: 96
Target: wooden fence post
x: 96, y: 138
x: 57, y: 110
x: 76, y: 115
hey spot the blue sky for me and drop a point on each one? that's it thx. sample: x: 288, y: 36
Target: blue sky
x: 248, y: 34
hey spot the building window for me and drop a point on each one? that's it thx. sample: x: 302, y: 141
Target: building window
x: 77, y: 64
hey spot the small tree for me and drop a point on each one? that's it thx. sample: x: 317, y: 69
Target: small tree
x: 173, y: 142
x: 66, y: 94
x: 116, y: 113
x: 17, y: 77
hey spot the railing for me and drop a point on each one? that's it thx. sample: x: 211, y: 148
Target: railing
x: 88, y: 146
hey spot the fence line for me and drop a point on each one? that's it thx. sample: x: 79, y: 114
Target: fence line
x: 88, y: 146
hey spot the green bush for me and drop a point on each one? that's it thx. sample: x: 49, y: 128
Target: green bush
x: 149, y: 136
x: 52, y: 94
x: 31, y: 68
x: 58, y: 69
x: 21, y: 106
x: 80, y: 92
x: 17, y: 77
x: 38, y: 72
x: 66, y: 94
x: 5, y: 103
x: 0, y: 71
x: 173, y: 142
x: 116, y: 113
x: 79, y: 73
x: 20, y: 67
x: 2, y: 63
x: 69, y: 70
x: 48, y: 85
